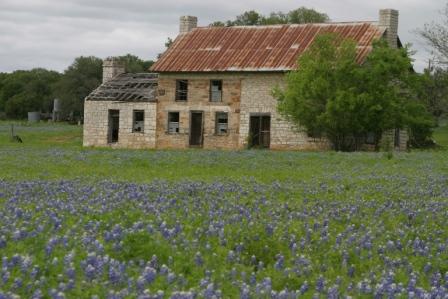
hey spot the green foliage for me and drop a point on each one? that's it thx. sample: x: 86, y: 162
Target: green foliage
x: 3, y: 77
x: 84, y: 75
x: 25, y: 91
x: 441, y: 134
x: 420, y: 124
x: 168, y: 43
x: 304, y: 15
x: 433, y: 91
x: 34, y: 90
x: 301, y: 15
x: 81, y: 78
x: 248, y: 18
x: 134, y: 64
x: 332, y: 94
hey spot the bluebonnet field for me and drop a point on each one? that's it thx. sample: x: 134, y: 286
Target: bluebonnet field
x: 84, y: 223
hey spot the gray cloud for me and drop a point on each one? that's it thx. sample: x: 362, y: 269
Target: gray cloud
x: 51, y: 33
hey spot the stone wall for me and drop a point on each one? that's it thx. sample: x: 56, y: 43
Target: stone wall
x: 243, y: 94
x: 390, y: 136
x: 96, y: 124
x: 198, y: 100
x: 388, y: 19
x: 256, y: 97
x: 187, y: 23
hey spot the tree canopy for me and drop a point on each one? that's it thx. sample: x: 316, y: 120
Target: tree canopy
x: 79, y: 79
x: 84, y: 75
x: 25, y: 91
x: 34, y: 90
x: 301, y: 15
x: 331, y: 94
x: 134, y: 64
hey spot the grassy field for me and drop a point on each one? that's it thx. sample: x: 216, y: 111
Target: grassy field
x: 78, y: 222
x: 441, y: 134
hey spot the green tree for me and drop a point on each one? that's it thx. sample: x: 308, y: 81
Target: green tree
x: 217, y: 24
x: 78, y: 80
x: 331, y: 94
x: 248, y: 18
x: 134, y: 64
x: 301, y: 15
x: 305, y: 15
x: 3, y: 77
x: 433, y: 89
x: 275, y: 18
x: 25, y: 91
x: 168, y: 43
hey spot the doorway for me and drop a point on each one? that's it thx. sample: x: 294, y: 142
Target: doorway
x: 196, y: 131
x: 397, y: 138
x: 260, y: 131
x: 114, y: 126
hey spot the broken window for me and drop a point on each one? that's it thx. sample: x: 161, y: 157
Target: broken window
x: 138, y: 121
x: 181, y: 90
x: 222, y: 123
x: 173, y: 122
x: 370, y: 138
x: 215, y: 90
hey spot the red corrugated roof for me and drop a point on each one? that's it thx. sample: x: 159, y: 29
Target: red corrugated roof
x: 255, y: 48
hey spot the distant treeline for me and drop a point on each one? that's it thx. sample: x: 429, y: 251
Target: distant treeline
x: 34, y: 90
x: 301, y: 15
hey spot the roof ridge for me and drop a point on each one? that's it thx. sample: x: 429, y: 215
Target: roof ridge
x: 289, y: 25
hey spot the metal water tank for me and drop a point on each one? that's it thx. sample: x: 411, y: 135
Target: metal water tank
x: 56, y: 110
x: 33, y: 117
x: 56, y: 105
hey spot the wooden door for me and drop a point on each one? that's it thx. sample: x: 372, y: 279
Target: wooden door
x: 114, y: 126
x: 260, y: 131
x: 196, y: 128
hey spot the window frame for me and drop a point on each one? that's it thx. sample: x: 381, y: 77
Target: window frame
x: 211, y: 91
x: 134, y: 112
x: 217, y: 118
x: 169, y: 122
x: 181, y: 95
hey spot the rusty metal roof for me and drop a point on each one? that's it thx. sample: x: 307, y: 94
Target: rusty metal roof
x: 256, y: 48
x: 127, y: 87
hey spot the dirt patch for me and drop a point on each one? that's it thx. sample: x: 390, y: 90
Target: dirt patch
x: 62, y: 139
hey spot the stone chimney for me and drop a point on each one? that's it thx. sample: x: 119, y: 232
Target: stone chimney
x: 112, y: 67
x: 187, y: 23
x: 389, y: 21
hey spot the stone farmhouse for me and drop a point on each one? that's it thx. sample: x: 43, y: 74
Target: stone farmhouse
x: 213, y: 88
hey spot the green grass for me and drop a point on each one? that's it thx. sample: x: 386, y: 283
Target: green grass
x: 441, y: 134
x: 54, y: 151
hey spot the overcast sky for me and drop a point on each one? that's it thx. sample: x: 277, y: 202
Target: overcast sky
x: 51, y: 33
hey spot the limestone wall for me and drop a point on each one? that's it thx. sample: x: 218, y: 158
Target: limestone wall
x: 243, y: 94
x: 198, y: 100
x: 96, y: 124
x: 256, y: 97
